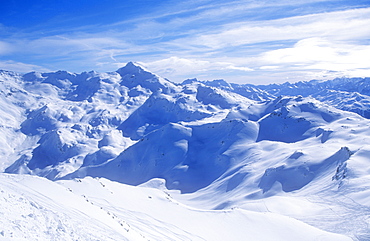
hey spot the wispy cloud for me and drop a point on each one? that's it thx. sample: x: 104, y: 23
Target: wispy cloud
x: 5, y: 48
x: 21, y: 67
x: 181, y: 67
x: 322, y: 45
x: 319, y: 53
x: 343, y: 25
x: 319, y: 56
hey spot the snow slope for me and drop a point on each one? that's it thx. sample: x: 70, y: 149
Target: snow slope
x: 220, y: 156
x: 97, y: 209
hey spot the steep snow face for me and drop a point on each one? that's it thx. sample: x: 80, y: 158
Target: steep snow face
x: 213, y: 145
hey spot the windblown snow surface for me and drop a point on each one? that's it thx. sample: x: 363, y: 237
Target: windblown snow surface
x: 129, y: 155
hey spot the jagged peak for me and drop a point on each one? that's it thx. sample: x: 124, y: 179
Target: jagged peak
x: 60, y: 74
x: 218, y: 83
x: 8, y: 73
x: 31, y: 76
x: 134, y: 74
x: 3, y: 71
x: 132, y: 68
x: 190, y: 81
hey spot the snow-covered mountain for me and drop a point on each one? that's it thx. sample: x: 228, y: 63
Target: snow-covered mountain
x: 350, y: 94
x: 145, y: 158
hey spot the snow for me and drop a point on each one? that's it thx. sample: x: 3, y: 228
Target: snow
x: 36, y: 209
x: 350, y: 94
x: 88, y: 209
x: 129, y: 155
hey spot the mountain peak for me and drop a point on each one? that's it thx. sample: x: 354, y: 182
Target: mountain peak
x: 131, y: 67
x: 134, y: 74
x: 218, y: 83
x: 190, y: 81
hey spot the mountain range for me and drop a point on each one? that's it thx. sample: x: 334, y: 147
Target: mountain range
x: 232, y: 161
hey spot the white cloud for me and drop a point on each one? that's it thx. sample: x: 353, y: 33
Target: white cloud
x: 304, y: 51
x: 21, y: 67
x: 79, y: 52
x: 65, y: 45
x: 340, y: 25
x: 5, y: 48
x: 320, y: 58
x: 317, y: 53
x: 177, y: 65
x: 267, y: 67
x: 247, y: 69
x: 175, y: 68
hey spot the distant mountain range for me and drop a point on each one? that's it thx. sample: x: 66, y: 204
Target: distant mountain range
x: 350, y: 94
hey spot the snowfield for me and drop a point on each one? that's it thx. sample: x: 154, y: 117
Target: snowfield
x: 128, y: 155
x: 35, y: 208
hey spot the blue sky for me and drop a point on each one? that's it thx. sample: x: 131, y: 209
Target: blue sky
x: 240, y: 41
